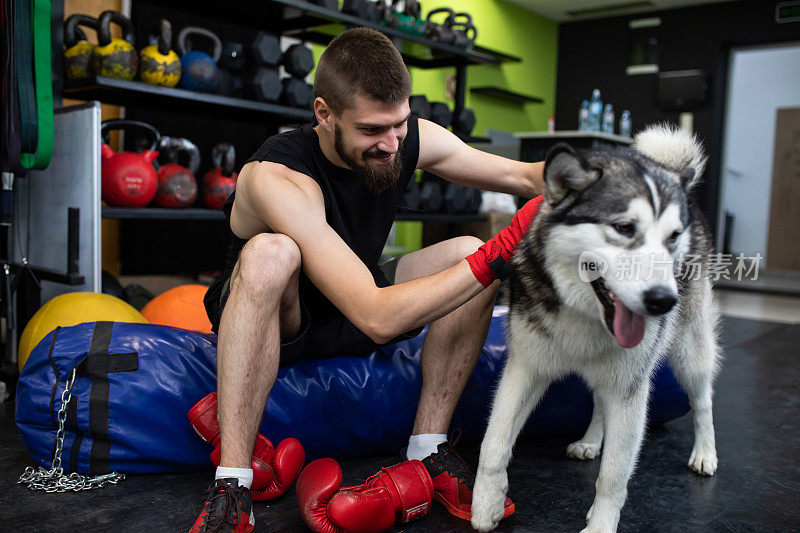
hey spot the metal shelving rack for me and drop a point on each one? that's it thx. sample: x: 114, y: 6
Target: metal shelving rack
x: 296, y: 18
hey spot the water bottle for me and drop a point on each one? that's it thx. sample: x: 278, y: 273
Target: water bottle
x: 608, y: 119
x: 583, y: 116
x: 595, y: 111
x: 625, y: 124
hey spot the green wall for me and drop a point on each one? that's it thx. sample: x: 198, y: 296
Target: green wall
x: 510, y: 29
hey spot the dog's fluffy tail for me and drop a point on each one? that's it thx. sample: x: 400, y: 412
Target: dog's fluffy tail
x: 674, y: 148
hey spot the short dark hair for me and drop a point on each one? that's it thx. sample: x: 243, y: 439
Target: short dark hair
x: 361, y: 61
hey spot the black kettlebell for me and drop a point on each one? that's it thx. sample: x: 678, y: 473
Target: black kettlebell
x: 199, y: 70
x: 114, y: 58
x: 78, y: 54
x: 440, y: 32
x: 464, y: 31
x: 159, y: 64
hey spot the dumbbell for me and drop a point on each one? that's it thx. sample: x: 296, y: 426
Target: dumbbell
x: 431, y: 193
x: 412, y: 199
x: 463, y: 121
x: 230, y: 84
x: 298, y: 60
x: 297, y: 93
x: 441, y: 114
x: 420, y: 106
x: 457, y: 198
x: 265, y: 50
x: 264, y: 84
x: 363, y: 9
x: 232, y: 57
x: 330, y: 4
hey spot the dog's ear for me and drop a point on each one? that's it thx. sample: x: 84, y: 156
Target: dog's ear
x: 565, y: 170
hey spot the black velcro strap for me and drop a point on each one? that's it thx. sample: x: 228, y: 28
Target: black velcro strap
x: 97, y: 365
x: 55, y: 371
x: 498, y: 266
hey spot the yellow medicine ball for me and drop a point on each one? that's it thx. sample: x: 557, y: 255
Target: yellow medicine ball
x: 69, y: 310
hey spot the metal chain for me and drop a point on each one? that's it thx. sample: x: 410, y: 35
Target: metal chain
x: 54, y: 480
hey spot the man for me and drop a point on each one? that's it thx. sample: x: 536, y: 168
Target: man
x: 310, y: 216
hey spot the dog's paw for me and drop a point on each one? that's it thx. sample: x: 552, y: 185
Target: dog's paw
x: 488, y: 501
x: 583, y: 450
x: 703, y: 460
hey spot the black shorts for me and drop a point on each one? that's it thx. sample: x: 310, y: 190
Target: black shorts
x: 316, y: 339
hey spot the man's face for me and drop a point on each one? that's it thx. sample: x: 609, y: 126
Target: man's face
x: 368, y: 138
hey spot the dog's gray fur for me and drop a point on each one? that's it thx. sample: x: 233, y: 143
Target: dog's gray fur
x: 558, y: 324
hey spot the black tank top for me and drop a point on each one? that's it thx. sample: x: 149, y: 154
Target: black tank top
x: 362, y: 218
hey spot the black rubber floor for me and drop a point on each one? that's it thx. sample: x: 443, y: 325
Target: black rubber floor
x: 757, y: 486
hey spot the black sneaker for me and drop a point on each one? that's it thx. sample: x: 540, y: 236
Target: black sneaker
x: 228, y: 508
x: 453, y: 482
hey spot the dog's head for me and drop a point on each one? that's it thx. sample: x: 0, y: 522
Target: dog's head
x: 619, y: 222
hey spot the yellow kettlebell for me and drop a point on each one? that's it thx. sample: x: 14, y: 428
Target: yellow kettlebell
x: 78, y: 54
x: 158, y: 64
x: 114, y: 58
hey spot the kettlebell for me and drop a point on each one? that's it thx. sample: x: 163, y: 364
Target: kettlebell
x: 114, y: 58
x: 177, y: 186
x: 199, y: 70
x: 220, y: 181
x: 440, y: 32
x: 128, y: 178
x: 464, y: 31
x: 78, y: 54
x: 160, y: 65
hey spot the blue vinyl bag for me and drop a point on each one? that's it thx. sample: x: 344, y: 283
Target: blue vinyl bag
x: 135, y: 383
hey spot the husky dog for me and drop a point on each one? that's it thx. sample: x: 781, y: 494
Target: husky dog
x: 574, y: 309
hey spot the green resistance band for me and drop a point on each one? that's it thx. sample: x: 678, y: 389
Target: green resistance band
x: 44, y: 86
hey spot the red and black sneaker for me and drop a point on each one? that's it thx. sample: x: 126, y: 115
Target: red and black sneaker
x: 228, y: 508
x: 453, y: 482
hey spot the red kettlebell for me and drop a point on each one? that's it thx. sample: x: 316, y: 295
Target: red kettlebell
x: 177, y: 186
x: 220, y: 182
x: 128, y: 178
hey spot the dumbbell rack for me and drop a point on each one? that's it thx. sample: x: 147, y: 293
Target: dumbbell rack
x: 293, y: 18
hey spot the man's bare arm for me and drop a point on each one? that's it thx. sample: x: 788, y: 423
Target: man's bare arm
x: 291, y: 203
x: 447, y: 156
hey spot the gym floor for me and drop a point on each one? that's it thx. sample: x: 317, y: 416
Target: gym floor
x: 756, y: 488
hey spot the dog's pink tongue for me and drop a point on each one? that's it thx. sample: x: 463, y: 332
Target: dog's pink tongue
x: 628, y: 326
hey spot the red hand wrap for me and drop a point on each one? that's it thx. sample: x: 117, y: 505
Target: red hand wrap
x: 489, y: 261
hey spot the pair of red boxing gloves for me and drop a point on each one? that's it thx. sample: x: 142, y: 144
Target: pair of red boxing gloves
x: 398, y: 493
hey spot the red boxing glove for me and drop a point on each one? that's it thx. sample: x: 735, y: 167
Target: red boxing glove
x: 399, y: 493
x: 274, y: 471
x: 489, y: 261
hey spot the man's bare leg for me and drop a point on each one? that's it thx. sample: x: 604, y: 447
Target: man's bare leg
x: 262, y: 307
x: 454, y: 342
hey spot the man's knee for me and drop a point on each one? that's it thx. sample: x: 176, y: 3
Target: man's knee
x: 268, y: 261
x: 463, y: 246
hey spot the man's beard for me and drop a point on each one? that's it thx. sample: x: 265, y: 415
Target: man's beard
x: 378, y: 177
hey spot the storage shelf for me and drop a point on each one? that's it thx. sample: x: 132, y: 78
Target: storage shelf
x: 124, y: 92
x: 163, y: 213
x: 504, y: 94
x: 566, y: 135
x: 306, y: 21
x: 199, y: 213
